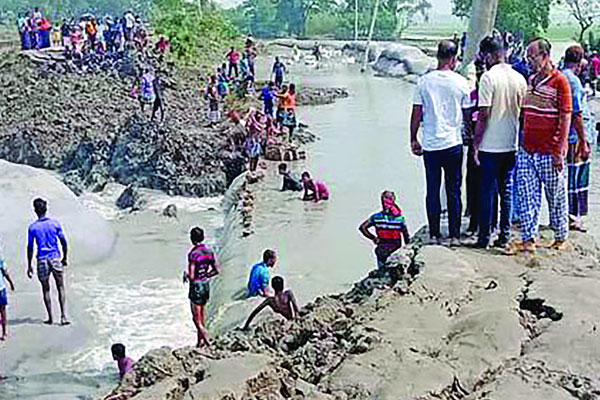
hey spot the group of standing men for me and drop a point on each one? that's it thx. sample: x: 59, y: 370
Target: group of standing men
x: 526, y: 135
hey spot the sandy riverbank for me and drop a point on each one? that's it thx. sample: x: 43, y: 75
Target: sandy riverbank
x: 468, y: 324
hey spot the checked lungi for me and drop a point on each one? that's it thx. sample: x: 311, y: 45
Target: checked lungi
x: 533, y: 171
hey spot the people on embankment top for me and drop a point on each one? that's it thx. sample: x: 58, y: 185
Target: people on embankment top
x: 547, y: 140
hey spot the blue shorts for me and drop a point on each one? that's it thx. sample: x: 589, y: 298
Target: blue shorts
x: 3, y: 298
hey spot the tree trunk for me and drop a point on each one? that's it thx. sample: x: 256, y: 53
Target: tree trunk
x: 482, y: 22
x: 355, y: 21
x: 364, y: 67
x: 584, y: 28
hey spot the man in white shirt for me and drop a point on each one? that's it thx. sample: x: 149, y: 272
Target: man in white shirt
x: 440, y: 100
x: 501, y: 94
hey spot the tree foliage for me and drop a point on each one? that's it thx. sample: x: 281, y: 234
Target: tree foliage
x: 197, y: 30
x: 586, y: 12
x: 271, y: 18
x: 529, y: 17
x: 72, y: 8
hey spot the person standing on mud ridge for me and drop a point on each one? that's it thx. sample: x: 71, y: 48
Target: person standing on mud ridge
x: 282, y: 303
x: 495, y: 142
x: 441, y: 98
x: 212, y: 95
x: 233, y: 58
x: 158, y: 99
x: 46, y: 233
x: 390, y: 228
x: 278, y: 72
x: 267, y: 95
x: 202, y: 267
x: 541, y: 159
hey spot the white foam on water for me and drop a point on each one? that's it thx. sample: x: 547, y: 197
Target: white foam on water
x: 143, y: 316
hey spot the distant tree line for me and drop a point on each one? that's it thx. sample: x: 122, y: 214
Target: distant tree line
x: 329, y: 18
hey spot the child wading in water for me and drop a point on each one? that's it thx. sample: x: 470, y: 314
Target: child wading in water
x: 124, y: 363
x: 4, y: 277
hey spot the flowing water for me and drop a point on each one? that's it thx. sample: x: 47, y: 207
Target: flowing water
x: 134, y: 294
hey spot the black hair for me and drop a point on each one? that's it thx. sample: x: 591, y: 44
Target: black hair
x: 543, y: 45
x: 305, y: 174
x: 40, y: 206
x: 118, y: 350
x: 492, y: 45
x: 282, y: 167
x: 574, y: 54
x: 197, y: 235
x: 447, y: 50
x: 277, y: 283
x: 268, y: 255
x: 292, y: 88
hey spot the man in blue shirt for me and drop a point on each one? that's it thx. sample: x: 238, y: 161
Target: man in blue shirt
x: 47, y: 233
x: 258, y: 283
x: 267, y: 97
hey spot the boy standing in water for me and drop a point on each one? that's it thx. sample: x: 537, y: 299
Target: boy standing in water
x: 283, y: 303
x: 289, y: 182
x: 3, y: 297
x: 390, y: 228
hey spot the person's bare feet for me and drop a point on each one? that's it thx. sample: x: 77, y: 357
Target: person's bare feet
x: 558, y: 245
x: 528, y: 247
x: 3, y: 338
x: 64, y: 321
x: 48, y: 321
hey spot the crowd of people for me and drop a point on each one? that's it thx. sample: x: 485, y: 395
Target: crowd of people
x: 526, y: 124
x: 527, y: 130
x: 87, y: 40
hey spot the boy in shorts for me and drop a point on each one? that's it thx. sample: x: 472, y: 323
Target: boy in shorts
x: 282, y: 303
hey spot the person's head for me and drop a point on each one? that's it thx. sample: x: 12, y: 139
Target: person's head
x: 282, y: 168
x: 277, y: 284
x: 574, y: 58
x: 386, y: 196
x: 292, y: 88
x: 197, y: 235
x: 284, y: 89
x: 492, y: 51
x: 271, y: 85
x: 270, y: 258
x: 277, y: 59
x: 218, y: 70
x: 118, y: 351
x: 232, y: 49
x: 538, y: 54
x: 306, y: 179
x: 40, y: 206
x: 446, y: 54
x: 213, y: 79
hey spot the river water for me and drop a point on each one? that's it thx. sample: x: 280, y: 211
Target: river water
x: 135, y: 295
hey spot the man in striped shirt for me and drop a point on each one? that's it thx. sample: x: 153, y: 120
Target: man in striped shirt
x: 390, y: 229
x: 547, y: 113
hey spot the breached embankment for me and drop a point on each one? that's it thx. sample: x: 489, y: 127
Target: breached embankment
x: 441, y: 324
x: 390, y: 59
x: 87, y: 126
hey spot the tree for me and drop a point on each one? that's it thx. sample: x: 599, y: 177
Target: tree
x: 404, y: 12
x: 481, y: 23
x: 529, y: 17
x: 585, y: 12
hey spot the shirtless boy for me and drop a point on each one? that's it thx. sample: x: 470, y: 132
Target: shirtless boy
x: 283, y: 303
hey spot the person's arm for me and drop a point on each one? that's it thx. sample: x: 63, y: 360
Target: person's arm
x: 293, y: 305
x: 405, y: 234
x: 364, y: 229
x: 415, y: 123
x: 583, y: 148
x: 565, y: 109
x: 30, y: 241
x: 216, y: 268
x: 480, y: 127
x: 255, y: 313
x: 8, y: 278
x: 63, y: 244
x: 317, y: 193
